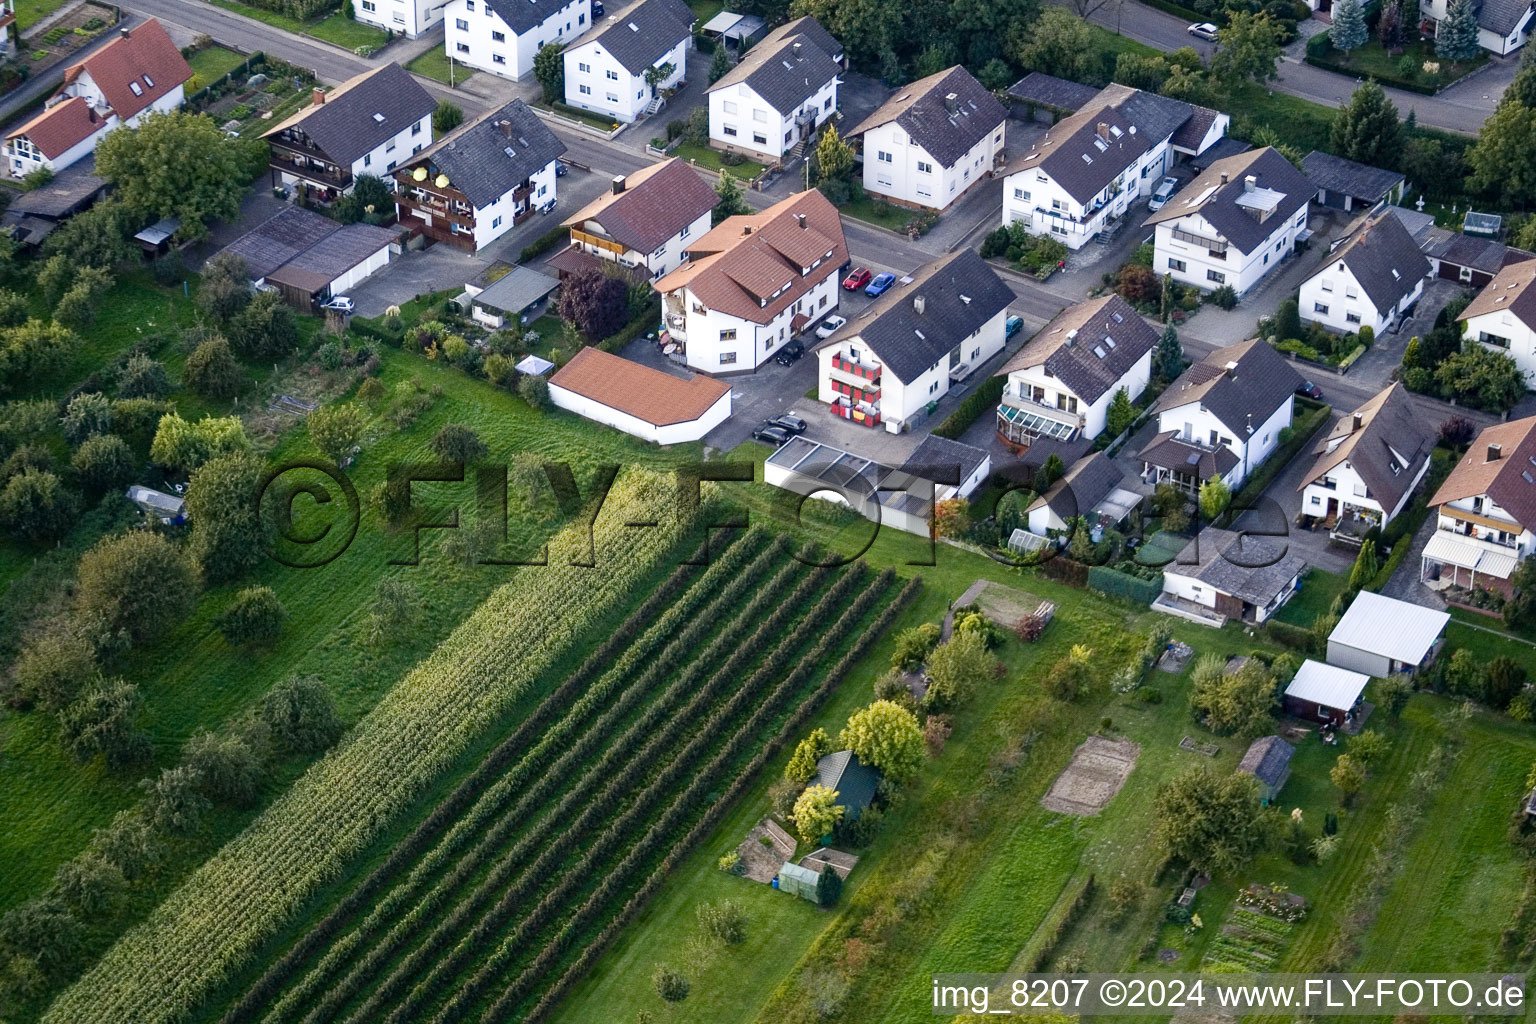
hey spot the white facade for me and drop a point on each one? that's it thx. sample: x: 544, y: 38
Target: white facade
x: 1033, y: 197
x: 1038, y: 386
x: 665, y: 259
x: 894, y: 403
x: 1504, y: 331
x: 1487, y: 523
x: 1199, y: 592
x: 900, y: 169
x: 360, y: 273
x: 86, y: 88
x: 1198, y: 425
x: 1343, y: 485
x: 719, y: 342
x: 409, y: 18
x: 475, y: 35
x: 495, y: 220
x: 1333, y: 297
x: 1181, y: 249
x: 669, y: 433
x: 379, y: 161
x: 596, y: 81
x: 22, y: 157
x: 1435, y: 10
x: 741, y: 120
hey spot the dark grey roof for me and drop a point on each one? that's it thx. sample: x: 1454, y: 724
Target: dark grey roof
x: 1193, y: 131
x: 1086, y: 152
x: 1240, y: 385
x: 1221, y: 149
x: 1050, y: 91
x: 1385, y: 441
x: 1220, y: 204
x: 641, y: 34
x: 853, y: 781
x: 1250, y: 568
x: 341, y: 250
x: 1347, y: 177
x: 1088, y: 482
x: 517, y: 290
x: 485, y: 160
x: 1157, y: 116
x: 811, y: 28
x: 1089, y: 346
x: 935, y: 452
x: 280, y: 238
x: 522, y: 15
x: 1384, y: 258
x: 1460, y: 250
x: 1501, y: 16
x: 960, y: 292
x: 782, y: 75
x: 62, y: 196
x: 1417, y: 224
x: 1168, y: 451
x: 1268, y: 759
x: 921, y: 111
x: 362, y: 114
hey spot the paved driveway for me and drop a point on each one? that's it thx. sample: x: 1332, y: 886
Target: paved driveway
x: 1279, y: 506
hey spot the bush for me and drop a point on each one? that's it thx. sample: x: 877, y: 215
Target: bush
x: 670, y: 984
x: 301, y: 715
x: 829, y: 887
x: 725, y: 921
x: 101, y: 722
x: 139, y: 583
x: 1224, y: 297
x: 535, y: 391
x: 254, y: 618
x: 228, y: 770
x: 458, y: 443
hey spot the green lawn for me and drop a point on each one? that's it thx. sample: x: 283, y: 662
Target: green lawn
x: 30, y: 12
x: 434, y: 64
x: 881, y: 214
x: 1372, y: 60
x: 704, y: 156
x: 336, y: 28
x: 1318, y: 590
x: 213, y: 62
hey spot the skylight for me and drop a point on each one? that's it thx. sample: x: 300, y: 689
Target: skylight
x: 1098, y: 350
x: 1109, y: 342
x: 1100, y: 145
x: 509, y: 151
x: 1087, y: 159
x: 378, y: 118
x: 1119, y: 318
x: 633, y: 27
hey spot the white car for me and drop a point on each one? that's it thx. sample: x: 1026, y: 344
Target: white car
x: 829, y: 326
x: 1203, y: 30
x: 1164, y: 192
x: 341, y: 303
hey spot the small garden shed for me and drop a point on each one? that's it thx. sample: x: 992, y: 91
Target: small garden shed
x: 853, y: 781
x: 797, y: 881
x: 1269, y: 760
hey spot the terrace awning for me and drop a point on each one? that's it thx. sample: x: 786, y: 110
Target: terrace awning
x: 1037, y: 423
x: 1448, y: 549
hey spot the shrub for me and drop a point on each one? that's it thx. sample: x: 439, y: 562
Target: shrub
x: 227, y: 768
x: 535, y: 391
x: 301, y: 715
x: 139, y: 583
x: 725, y: 921
x: 458, y: 443
x: 254, y: 618
x: 829, y: 887
x: 670, y: 984
x: 1224, y: 297
x: 176, y: 802
x: 101, y: 722
x: 212, y: 371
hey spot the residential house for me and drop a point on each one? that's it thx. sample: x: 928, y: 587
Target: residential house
x: 783, y: 89
x: 1222, y: 575
x: 367, y: 125
x: 1346, y: 184
x: 1268, y: 760
x: 409, y: 18
x: 1369, y: 464
x: 1471, y: 261
x: 139, y: 73
x: 893, y: 362
x: 471, y: 186
x: 503, y: 36
x: 1092, y: 167
x: 1061, y: 383
x: 647, y: 218
x: 1503, y: 26
x: 624, y: 63
x: 1502, y: 317
x: 309, y: 258
x: 753, y: 282
x: 1485, y: 511
x: 638, y: 400
x: 1369, y: 280
x: 7, y: 16
x: 1222, y: 417
x: 1382, y: 636
x: 1089, y: 489
x: 932, y: 141
x: 958, y: 470
x: 1234, y: 223
x: 1325, y: 693
x: 513, y: 294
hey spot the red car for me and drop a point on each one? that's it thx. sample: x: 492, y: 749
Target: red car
x: 858, y: 279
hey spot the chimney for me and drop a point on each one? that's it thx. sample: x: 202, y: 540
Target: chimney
x: 952, y: 104
x: 1359, y: 421
x: 1494, y: 452
x: 506, y: 127
x: 1223, y: 177
x: 125, y: 33
x: 1104, y: 131
x: 1231, y: 369
x: 317, y: 97
x: 800, y: 217
x: 1250, y: 183
x: 618, y: 184
x: 795, y: 50
x: 918, y: 304
x: 1072, y: 337
x: 746, y: 229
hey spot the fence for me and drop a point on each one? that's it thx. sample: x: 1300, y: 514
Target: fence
x: 1114, y: 583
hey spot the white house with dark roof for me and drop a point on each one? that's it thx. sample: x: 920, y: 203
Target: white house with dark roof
x: 1372, y: 277
x: 646, y: 219
x: 1234, y: 223
x: 1485, y: 511
x: 1090, y: 488
x: 1502, y: 317
x: 410, y: 18
x: 1091, y: 167
x: 471, y: 186
x: 778, y: 95
x: 366, y: 125
x: 1222, y: 575
x: 753, y: 282
x: 933, y: 140
x: 1222, y: 417
x: 1503, y: 26
x: 1370, y: 462
x: 605, y: 69
x: 1060, y: 384
x: 503, y: 36
x: 893, y: 361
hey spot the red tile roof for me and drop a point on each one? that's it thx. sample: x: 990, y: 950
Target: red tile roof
x: 653, y: 396
x: 146, y: 57
x: 60, y: 127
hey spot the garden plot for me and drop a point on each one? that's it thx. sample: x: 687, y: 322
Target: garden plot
x: 1005, y: 606
x: 1098, y: 769
x: 764, y: 851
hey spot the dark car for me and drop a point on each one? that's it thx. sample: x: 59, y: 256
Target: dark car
x: 1014, y: 326
x: 789, y: 423
x: 858, y: 279
x: 770, y: 435
x: 1310, y: 390
x: 561, y: 168
x: 790, y: 354
x: 597, y: 8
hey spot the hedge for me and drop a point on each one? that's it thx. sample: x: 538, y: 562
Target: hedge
x: 541, y: 245
x: 1062, y: 569
x: 971, y: 407
x: 1114, y: 583
x: 636, y: 328
x: 1297, y: 638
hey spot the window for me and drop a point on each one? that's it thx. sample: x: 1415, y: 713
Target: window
x: 369, y: 5
x: 613, y: 76
x: 495, y: 222
x: 461, y: 24
x: 925, y: 168
x: 684, y: 233
x: 497, y: 58
x: 138, y: 90
x: 1320, y: 307
x: 726, y: 358
x: 1352, y: 318
x: 729, y: 129
x: 469, y: 5
x: 498, y: 37
x: 585, y: 90
x: 581, y: 19
x: 729, y: 106
x: 399, y: 19
x: 461, y: 47
x: 1020, y: 194
x: 368, y: 160
x: 883, y: 180
x: 760, y: 138
x: 728, y: 334
x: 149, y: 81
x: 1327, y: 284
x: 389, y: 147
x: 613, y: 97
x: 1178, y: 265
x: 1216, y: 276
x: 924, y: 191
x: 760, y: 115
x: 584, y: 68
x: 933, y: 387
x: 1351, y: 292
x: 827, y: 105
x: 416, y: 128
x: 883, y: 156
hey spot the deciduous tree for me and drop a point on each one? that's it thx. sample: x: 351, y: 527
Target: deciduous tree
x: 1235, y: 703
x: 1348, y: 777
x: 1210, y: 820
x: 549, y: 70
x: 817, y: 813
x: 956, y: 668
x: 802, y: 763
x: 886, y: 736
x: 301, y: 715
x: 138, y: 582
x: 212, y: 370
x: 596, y: 304
x: 254, y: 618
x: 228, y: 769
x: 1058, y: 43
x: 457, y: 443
x: 36, y: 505
x: 184, y: 445
x: 101, y: 723
x: 265, y: 328
x: 228, y: 535
x: 1503, y: 159
x: 176, y: 164
x: 1248, y: 48
x: 336, y: 429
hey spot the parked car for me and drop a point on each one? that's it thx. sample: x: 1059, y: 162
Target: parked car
x: 1014, y: 325
x: 789, y: 423
x: 790, y: 354
x: 1203, y: 30
x: 771, y: 435
x: 830, y: 325
x: 1164, y: 192
x: 341, y: 303
x: 880, y: 284
x: 561, y: 168
x: 549, y: 207
x: 597, y: 8
x: 856, y: 280
x: 1310, y: 390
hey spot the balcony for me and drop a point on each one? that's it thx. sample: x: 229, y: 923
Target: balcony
x: 438, y: 208
x: 1030, y: 404
x: 1214, y: 246
x: 288, y: 161
x: 862, y: 371
x: 854, y: 393
x: 866, y: 413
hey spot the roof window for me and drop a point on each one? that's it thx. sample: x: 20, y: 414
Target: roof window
x: 149, y: 81
x: 138, y: 90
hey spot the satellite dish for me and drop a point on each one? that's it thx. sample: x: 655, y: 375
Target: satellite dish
x: 419, y: 174
x: 442, y: 181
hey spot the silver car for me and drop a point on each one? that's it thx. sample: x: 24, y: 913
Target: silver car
x: 1164, y: 192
